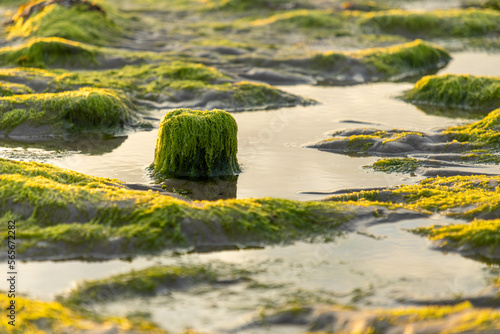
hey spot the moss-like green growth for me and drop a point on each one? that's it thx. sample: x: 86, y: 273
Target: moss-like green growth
x: 248, y: 94
x: 369, y: 140
x: 365, y: 6
x: 485, y: 132
x: 195, y: 143
x: 460, y: 318
x: 165, y: 83
x: 78, y: 22
x: 242, y: 5
x: 145, y: 282
x: 37, y: 317
x: 70, y: 213
x: 73, y: 111
x: 385, y: 63
x: 10, y: 3
x: 395, y: 165
x: 48, y: 52
x: 9, y: 89
x: 456, y: 91
x: 26, y: 75
x: 143, y: 79
x: 479, y: 233
x: 458, y: 196
x: 492, y: 4
x: 482, y: 157
x: 441, y: 23
x: 303, y: 19
x: 413, y: 57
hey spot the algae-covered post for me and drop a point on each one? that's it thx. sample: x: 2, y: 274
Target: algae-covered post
x: 195, y: 143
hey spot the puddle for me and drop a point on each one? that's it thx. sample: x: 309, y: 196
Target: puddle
x: 357, y: 270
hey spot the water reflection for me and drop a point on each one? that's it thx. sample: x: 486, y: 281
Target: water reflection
x: 453, y: 112
x: 92, y: 144
x: 203, y: 190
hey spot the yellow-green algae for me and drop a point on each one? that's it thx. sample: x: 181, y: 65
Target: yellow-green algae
x: 140, y: 79
x: 492, y: 4
x: 144, y: 282
x: 398, y: 60
x: 395, y: 165
x: 439, y: 23
x: 467, y: 139
x: 483, y: 133
x: 84, y: 109
x: 75, y: 23
x: 456, y: 91
x: 76, y: 212
x: 173, y: 81
x: 358, y: 143
x: 48, y: 52
x: 460, y: 318
x: 458, y: 196
x: 468, y: 318
x: 241, y: 5
x: 38, y: 317
x: 149, y: 282
x: 9, y: 89
x: 409, y: 57
x: 478, y: 233
x: 302, y: 18
x: 195, y: 143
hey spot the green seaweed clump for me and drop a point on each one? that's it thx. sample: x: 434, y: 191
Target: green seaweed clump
x: 440, y: 23
x: 491, y: 4
x: 145, y: 282
x: 302, y: 18
x: 467, y: 197
x: 84, y: 22
x: 459, y: 318
x: 478, y: 233
x: 413, y: 57
x: 38, y: 317
x: 393, y: 62
x: 143, y: 79
x: 483, y: 133
x: 162, y: 83
x: 72, y: 111
x: 48, y: 52
x: 9, y: 89
x: 395, y: 165
x: 195, y: 143
x: 242, y: 5
x: 68, y: 214
x: 456, y: 91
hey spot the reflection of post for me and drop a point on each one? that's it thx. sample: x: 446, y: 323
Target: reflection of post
x: 206, y: 190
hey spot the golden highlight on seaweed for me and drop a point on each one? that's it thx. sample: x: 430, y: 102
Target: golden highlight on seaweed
x: 195, y: 143
x: 456, y: 91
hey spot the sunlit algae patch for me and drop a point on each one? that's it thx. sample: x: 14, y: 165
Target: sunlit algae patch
x: 195, y: 143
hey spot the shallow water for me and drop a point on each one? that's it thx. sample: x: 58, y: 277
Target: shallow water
x: 271, y: 151
x: 386, y: 271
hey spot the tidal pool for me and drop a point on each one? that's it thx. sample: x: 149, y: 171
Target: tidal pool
x: 271, y: 151
x: 387, y: 266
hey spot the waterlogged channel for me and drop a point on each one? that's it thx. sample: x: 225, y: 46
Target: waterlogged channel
x: 386, y: 266
x: 390, y: 267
